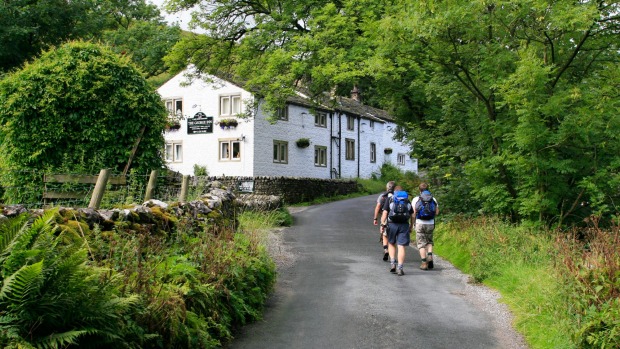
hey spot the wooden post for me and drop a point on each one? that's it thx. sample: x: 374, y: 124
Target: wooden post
x: 184, y: 186
x: 151, y: 186
x: 102, y: 181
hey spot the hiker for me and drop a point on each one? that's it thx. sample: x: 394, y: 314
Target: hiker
x: 425, y: 209
x: 389, y: 190
x: 397, y: 218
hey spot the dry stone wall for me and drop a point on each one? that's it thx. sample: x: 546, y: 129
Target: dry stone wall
x: 290, y: 190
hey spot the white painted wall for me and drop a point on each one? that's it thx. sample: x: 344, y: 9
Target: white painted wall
x: 258, y: 136
x: 203, y: 149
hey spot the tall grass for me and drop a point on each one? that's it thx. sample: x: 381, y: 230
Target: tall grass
x: 519, y: 263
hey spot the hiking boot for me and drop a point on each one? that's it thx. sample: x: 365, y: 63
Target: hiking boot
x: 385, y: 256
x: 424, y: 266
x: 400, y: 272
x: 430, y: 262
x: 393, y: 268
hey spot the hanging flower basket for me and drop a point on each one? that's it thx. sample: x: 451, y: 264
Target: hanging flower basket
x: 228, y: 123
x: 387, y: 150
x: 303, y: 142
x: 173, y: 126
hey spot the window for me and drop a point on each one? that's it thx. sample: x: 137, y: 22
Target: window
x: 350, y: 149
x: 371, y: 123
x: 282, y: 113
x: 230, y: 105
x: 320, y: 156
x: 174, y: 151
x: 401, y: 159
x: 350, y: 123
x: 373, y: 152
x: 230, y: 150
x: 280, y: 152
x: 320, y: 120
x: 175, y: 107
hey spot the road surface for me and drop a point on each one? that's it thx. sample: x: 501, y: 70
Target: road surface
x: 339, y: 293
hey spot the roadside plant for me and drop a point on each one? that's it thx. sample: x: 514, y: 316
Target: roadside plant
x: 51, y: 296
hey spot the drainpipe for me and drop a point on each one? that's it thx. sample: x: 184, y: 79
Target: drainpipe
x: 339, y: 145
x: 331, y: 145
x: 359, y: 141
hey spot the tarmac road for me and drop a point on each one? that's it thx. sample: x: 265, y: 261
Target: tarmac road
x: 340, y: 294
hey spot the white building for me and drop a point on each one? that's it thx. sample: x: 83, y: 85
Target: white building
x: 346, y: 141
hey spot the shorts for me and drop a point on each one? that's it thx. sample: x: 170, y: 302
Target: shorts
x: 424, y: 234
x: 398, y: 234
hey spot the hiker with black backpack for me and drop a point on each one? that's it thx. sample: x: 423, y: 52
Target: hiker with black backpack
x: 389, y: 190
x: 396, y: 218
x: 425, y: 209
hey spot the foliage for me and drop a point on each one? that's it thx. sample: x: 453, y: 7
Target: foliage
x: 303, y: 142
x: 29, y: 27
x: 200, y: 170
x: 146, y: 42
x: 42, y: 125
x: 516, y: 99
x: 408, y: 180
x: 590, y: 270
x: 132, y: 27
x: 51, y: 297
x: 554, y: 283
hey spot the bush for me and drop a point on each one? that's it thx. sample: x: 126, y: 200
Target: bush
x: 78, y: 108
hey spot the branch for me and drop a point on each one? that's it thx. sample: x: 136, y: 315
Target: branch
x: 572, y: 58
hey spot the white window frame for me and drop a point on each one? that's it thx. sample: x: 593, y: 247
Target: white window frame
x: 349, y: 149
x: 320, y: 119
x: 320, y: 156
x: 173, y: 151
x: 280, y: 152
x: 350, y: 123
x: 230, y: 105
x: 373, y: 152
x: 172, y: 104
x: 232, y: 152
x: 371, y: 123
x: 401, y: 158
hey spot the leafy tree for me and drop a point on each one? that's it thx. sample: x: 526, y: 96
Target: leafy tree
x: 511, y: 104
x: 146, y: 42
x: 132, y: 27
x: 79, y: 107
x: 31, y: 26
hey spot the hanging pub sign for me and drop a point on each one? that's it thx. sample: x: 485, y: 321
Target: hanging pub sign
x: 200, y: 123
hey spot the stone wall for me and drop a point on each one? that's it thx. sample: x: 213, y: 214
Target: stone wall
x: 290, y: 190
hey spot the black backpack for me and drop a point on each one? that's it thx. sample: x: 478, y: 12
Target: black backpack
x: 426, y: 206
x: 399, y: 208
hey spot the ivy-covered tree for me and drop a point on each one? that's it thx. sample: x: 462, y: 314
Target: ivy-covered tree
x: 511, y: 106
x: 78, y: 108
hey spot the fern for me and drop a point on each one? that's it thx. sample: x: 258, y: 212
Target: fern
x: 62, y: 340
x: 24, y: 284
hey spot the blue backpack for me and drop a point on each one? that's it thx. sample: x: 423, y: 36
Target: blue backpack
x: 426, y: 206
x: 399, y: 209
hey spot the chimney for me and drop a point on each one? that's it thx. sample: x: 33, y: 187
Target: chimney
x: 355, y: 93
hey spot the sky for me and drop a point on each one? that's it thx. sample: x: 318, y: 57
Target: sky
x: 182, y: 18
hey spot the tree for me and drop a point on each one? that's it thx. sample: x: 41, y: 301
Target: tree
x: 31, y: 26
x: 509, y: 104
x: 132, y: 27
x: 78, y: 108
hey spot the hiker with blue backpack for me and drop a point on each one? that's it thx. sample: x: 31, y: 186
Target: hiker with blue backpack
x: 425, y: 209
x: 396, y: 218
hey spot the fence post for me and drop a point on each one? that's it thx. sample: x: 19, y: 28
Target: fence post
x: 102, y: 181
x: 151, y: 186
x: 184, y: 186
